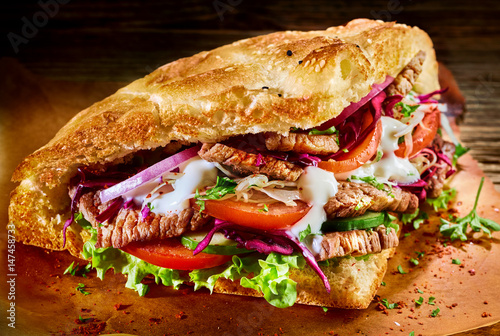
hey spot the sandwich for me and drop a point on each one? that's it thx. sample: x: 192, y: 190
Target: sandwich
x: 277, y: 166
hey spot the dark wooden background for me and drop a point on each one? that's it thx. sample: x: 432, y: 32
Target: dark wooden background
x: 121, y: 41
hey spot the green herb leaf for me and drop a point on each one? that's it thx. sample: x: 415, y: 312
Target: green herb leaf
x: 372, y: 180
x: 412, y: 333
x: 388, y: 305
x: 331, y: 130
x: 441, y: 202
x: 223, y: 187
x: 81, y: 289
x: 414, y: 261
x: 420, y: 291
x: 420, y: 301
x: 431, y: 300
x: 400, y: 270
x: 264, y: 209
x: 458, y: 229
x: 456, y: 261
x: 406, y: 109
x: 459, y: 151
x: 389, y: 223
x: 420, y: 254
x: 325, y: 309
x: 304, y: 233
x: 71, y: 269
x: 382, y: 283
x: 435, y: 312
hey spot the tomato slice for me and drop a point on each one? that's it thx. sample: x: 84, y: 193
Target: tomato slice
x: 356, y: 157
x: 170, y: 253
x: 278, y: 215
x: 422, y: 135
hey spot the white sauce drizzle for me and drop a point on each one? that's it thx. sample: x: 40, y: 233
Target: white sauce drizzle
x: 390, y: 168
x: 195, y: 173
x: 317, y: 186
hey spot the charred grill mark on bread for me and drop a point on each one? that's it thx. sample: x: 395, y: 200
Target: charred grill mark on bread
x: 354, y: 199
x: 245, y: 163
x: 303, y: 143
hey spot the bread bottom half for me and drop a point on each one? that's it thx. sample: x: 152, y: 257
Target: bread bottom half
x: 353, y: 282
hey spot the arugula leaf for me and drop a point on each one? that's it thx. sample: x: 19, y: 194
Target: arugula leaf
x: 441, y: 202
x: 372, y: 180
x: 406, y: 109
x: 304, y: 233
x: 331, y: 130
x: 459, y: 151
x: 223, y: 186
x: 458, y: 229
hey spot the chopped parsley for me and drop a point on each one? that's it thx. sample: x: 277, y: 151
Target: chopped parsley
x: 389, y: 223
x: 382, y: 283
x: 431, y: 300
x: 441, y: 202
x: 456, y: 261
x: 81, y: 289
x: 435, y: 312
x: 331, y: 130
x: 223, y: 187
x: 459, y: 151
x: 420, y: 301
x: 304, y: 233
x: 325, y: 309
x: 372, y: 180
x: 406, y: 109
x: 415, y: 218
x: 388, y: 305
x: 264, y: 209
x: 458, y: 229
x: 75, y: 270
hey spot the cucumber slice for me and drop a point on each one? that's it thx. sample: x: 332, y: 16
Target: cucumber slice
x: 366, y: 221
x: 219, y: 244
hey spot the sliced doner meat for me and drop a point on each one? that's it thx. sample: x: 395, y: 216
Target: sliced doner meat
x: 245, y: 163
x: 314, y: 144
x: 404, y: 81
x: 357, y: 242
x: 354, y: 199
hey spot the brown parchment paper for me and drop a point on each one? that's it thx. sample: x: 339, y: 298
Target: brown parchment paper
x: 47, y: 303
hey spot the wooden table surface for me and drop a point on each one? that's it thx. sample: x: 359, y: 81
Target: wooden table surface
x: 104, y: 41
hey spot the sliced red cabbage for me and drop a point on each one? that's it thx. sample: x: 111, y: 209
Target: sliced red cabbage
x: 425, y: 98
x: 353, y: 107
x: 148, y: 174
x: 110, y: 211
x: 265, y: 242
x: 389, y: 103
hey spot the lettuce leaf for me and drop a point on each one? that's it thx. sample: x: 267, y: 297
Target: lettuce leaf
x: 135, y: 268
x: 270, y: 276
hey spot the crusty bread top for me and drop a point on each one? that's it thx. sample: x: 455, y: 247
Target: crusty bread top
x: 219, y: 93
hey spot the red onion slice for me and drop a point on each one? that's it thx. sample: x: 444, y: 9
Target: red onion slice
x: 148, y: 174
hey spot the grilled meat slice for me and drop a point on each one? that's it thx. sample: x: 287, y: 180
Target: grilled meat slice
x: 436, y: 183
x: 128, y: 225
x: 354, y: 199
x: 245, y: 163
x: 357, y: 242
x: 404, y: 81
x: 314, y: 144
